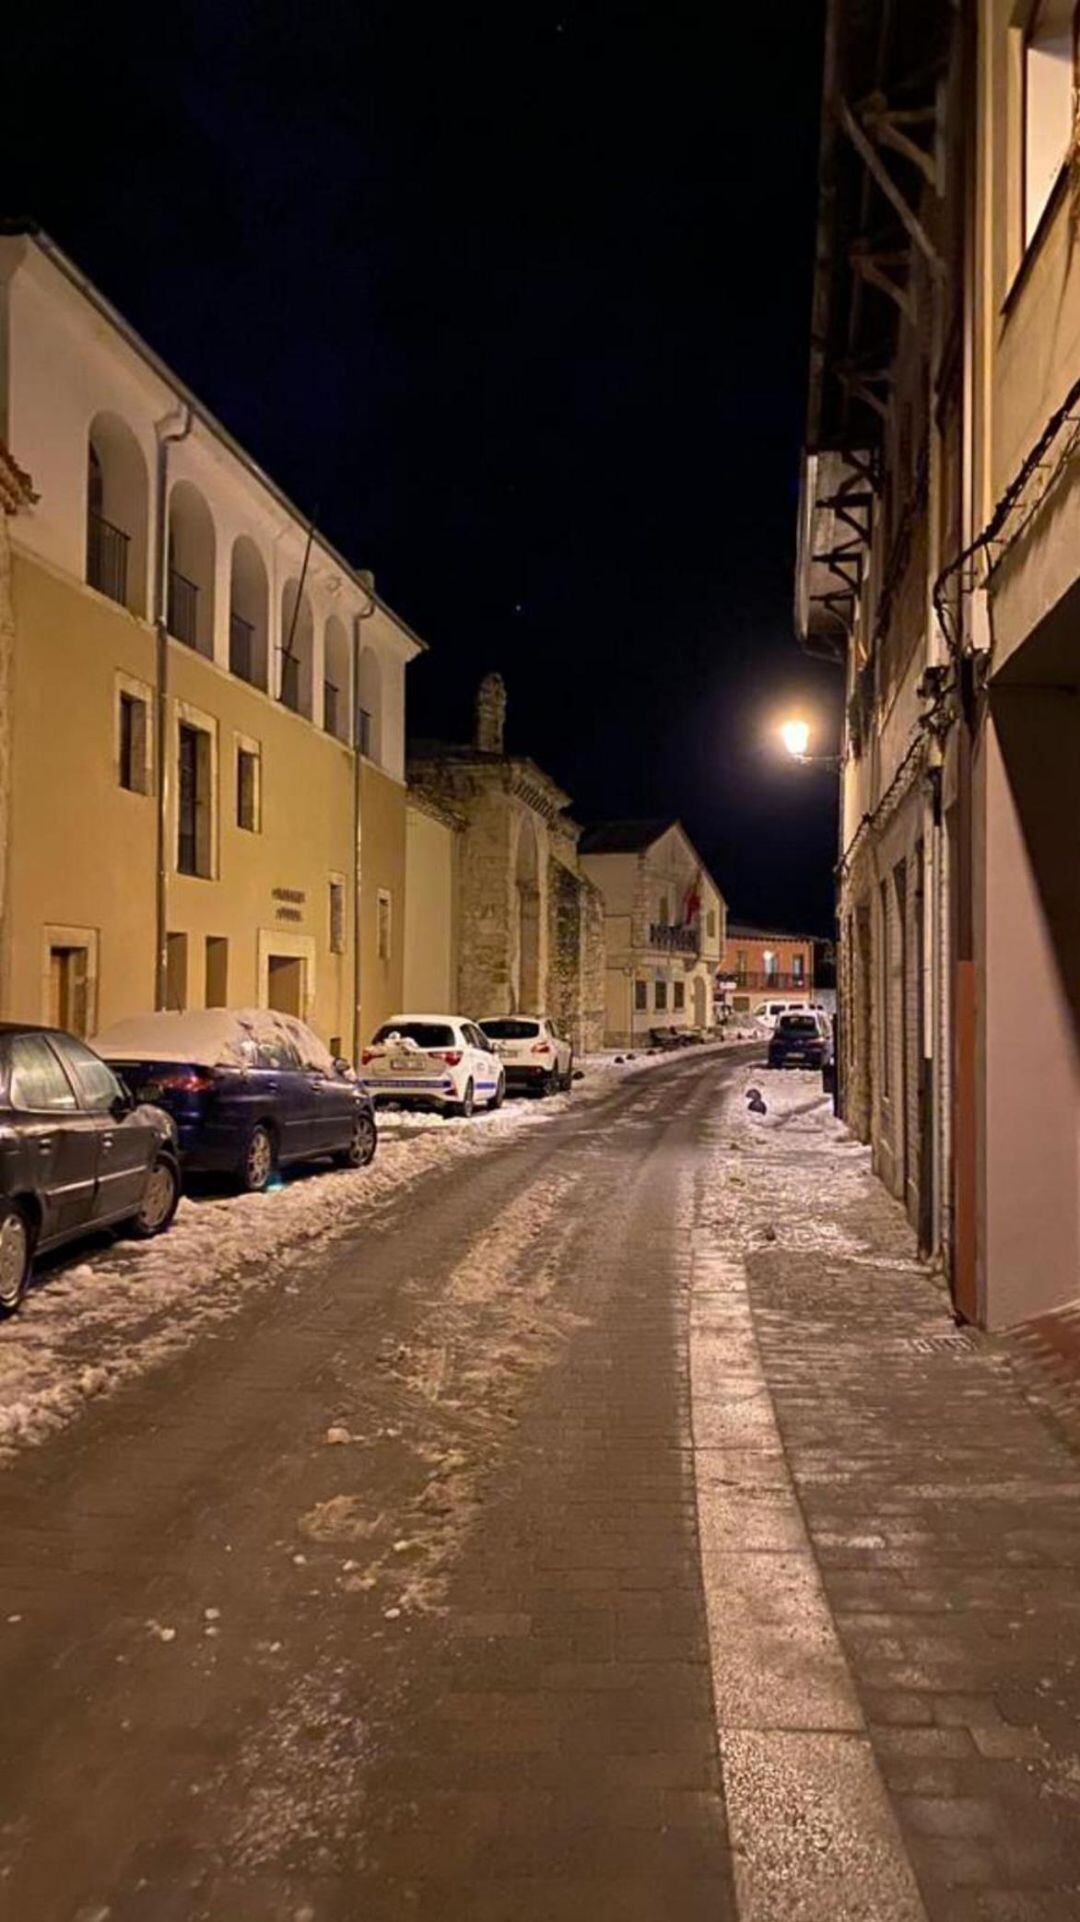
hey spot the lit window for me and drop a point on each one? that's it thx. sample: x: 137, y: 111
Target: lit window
x: 1048, y: 104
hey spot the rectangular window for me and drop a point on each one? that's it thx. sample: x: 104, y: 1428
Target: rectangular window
x: 337, y: 917
x: 679, y: 994
x: 383, y: 925
x: 176, y: 959
x: 248, y: 788
x: 797, y: 964
x: 740, y: 962
x: 885, y: 977
x: 133, y: 719
x: 217, y: 971
x: 710, y: 923
x: 661, y: 995
x: 1048, y: 104
x: 641, y: 996
x: 194, y: 845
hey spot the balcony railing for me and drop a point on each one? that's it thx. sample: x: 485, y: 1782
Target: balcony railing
x: 331, y: 708
x: 242, y: 648
x: 363, y: 731
x: 106, y: 558
x: 770, y: 983
x: 676, y: 939
x: 183, y: 611
x: 290, y: 682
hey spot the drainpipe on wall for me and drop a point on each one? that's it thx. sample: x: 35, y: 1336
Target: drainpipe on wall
x: 166, y: 437
x: 358, y: 761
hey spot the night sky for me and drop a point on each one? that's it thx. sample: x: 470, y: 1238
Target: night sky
x: 518, y: 297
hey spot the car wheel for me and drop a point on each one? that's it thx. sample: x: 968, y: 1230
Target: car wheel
x: 549, y: 1084
x: 16, y: 1251
x: 499, y: 1096
x: 257, y: 1165
x: 465, y: 1106
x: 361, y: 1149
x: 160, y: 1201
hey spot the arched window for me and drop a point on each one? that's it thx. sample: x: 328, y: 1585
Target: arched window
x: 249, y: 611
x: 336, y: 679
x: 369, y: 705
x: 191, y: 568
x: 117, y: 497
x: 297, y: 649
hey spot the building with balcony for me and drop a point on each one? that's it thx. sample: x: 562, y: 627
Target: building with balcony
x: 202, y: 799
x: 664, y: 928
x: 939, y: 565
x: 765, y: 964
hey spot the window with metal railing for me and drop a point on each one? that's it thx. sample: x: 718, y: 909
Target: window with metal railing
x: 106, y: 557
x: 183, y: 608
x: 290, y: 682
x: 331, y: 707
x: 242, y: 648
x: 363, y: 731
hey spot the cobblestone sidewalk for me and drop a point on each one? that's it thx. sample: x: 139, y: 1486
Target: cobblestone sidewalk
x: 941, y: 1504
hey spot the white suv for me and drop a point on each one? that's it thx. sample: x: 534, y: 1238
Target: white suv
x: 532, y: 1053
x: 433, y: 1061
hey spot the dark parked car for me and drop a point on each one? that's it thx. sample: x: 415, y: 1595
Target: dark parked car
x: 248, y: 1090
x: 76, y: 1153
x: 800, y: 1040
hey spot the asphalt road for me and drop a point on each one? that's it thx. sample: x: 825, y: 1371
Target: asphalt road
x: 384, y: 1599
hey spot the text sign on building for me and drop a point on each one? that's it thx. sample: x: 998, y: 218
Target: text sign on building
x: 290, y: 903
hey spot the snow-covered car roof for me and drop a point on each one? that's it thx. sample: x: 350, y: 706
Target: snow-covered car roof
x: 208, y: 1037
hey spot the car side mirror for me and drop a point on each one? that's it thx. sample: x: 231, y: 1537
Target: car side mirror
x: 341, y: 1066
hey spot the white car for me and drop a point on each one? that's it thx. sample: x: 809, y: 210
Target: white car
x: 533, y: 1054
x: 433, y: 1061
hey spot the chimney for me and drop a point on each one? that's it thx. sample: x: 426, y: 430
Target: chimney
x: 490, y: 714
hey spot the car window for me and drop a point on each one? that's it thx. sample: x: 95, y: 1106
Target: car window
x: 276, y: 1051
x: 95, y: 1080
x: 426, y: 1034
x: 37, y: 1081
x: 474, y: 1037
x: 510, y: 1028
x: 798, y: 1024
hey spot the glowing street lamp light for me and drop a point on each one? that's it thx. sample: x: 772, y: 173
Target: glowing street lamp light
x: 796, y: 738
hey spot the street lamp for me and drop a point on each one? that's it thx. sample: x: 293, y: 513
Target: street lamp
x: 795, y: 734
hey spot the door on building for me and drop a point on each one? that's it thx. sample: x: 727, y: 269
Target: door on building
x: 701, y: 1000
x: 69, y: 974
x: 285, y: 983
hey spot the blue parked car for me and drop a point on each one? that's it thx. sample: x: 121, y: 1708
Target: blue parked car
x: 248, y: 1089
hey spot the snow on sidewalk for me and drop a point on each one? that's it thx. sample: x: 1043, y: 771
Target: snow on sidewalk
x: 92, y: 1322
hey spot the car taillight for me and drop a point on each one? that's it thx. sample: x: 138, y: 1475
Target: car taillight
x: 186, y: 1083
x: 366, y: 1055
x: 541, y: 1047
x: 451, y: 1056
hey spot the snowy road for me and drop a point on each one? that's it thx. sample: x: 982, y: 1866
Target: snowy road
x: 370, y: 1561
x: 98, y: 1318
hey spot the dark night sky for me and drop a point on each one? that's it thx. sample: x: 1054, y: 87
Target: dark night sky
x: 518, y: 294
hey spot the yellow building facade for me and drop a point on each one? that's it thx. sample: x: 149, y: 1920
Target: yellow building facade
x: 205, y: 726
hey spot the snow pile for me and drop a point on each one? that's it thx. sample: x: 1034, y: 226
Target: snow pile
x: 771, y: 1168
x: 211, y: 1038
